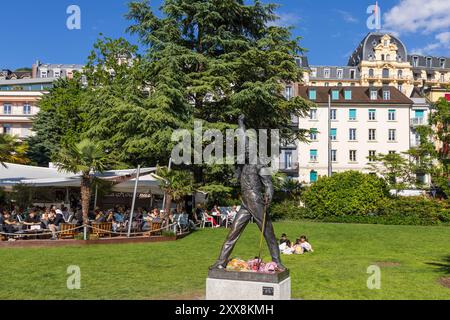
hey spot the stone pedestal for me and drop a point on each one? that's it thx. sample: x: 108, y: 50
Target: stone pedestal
x: 232, y: 285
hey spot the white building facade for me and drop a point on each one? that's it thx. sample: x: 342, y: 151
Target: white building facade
x: 364, y: 122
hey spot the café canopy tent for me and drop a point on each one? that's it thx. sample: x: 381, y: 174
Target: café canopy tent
x: 15, y: 174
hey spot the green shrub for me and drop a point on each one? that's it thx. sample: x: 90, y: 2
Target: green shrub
x: 289, y: 210
x: 349, y: 193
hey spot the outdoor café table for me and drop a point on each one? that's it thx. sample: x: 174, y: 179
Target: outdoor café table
x: 217, y: 217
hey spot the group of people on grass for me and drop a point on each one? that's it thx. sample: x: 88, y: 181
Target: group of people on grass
x: 300, y: 246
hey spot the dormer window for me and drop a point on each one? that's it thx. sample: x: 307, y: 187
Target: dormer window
x: 429, y: 62
x: 382, y: 57
x: 298, y: 61
x: 371, y: 73
x: 313, y: 72
x: 352, y: 74
x: 340, y: 73
x: 386, y: 43
x: 335, y: 94
x: 326, y: 73
x: 442, y: 63
x: 373, y: 94
x: 415, y: 61
x: 44, y: 74
x: 312, y: 94
x: 388, y: 57
x: 386, y: 95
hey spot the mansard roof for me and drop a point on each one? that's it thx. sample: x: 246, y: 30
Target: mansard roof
x: 365, y: 49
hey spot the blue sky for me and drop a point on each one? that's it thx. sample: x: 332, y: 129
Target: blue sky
x: 330, y: 29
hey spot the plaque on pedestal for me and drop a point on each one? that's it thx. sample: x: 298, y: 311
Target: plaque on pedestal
x: 232, y: 285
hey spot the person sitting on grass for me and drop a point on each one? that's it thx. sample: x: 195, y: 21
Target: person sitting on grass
x: 283, y: 238
x: 305, y: 244
x: 286, y: 247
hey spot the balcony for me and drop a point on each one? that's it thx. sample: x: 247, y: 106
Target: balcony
x: 289, y: 168
x: 415, y: 122
x: 389, y: 77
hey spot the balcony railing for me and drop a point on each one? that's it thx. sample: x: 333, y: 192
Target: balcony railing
x: 292, y: 166
x: 417, y: 122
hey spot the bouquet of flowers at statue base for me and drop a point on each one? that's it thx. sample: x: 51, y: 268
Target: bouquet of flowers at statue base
x: 254, y: 265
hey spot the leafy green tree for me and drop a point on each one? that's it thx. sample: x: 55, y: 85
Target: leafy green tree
x: 217, y: 60
x: 395, y: 169
x: 12, y: 150
x: 177, y: 184
x: 347, y: 193
x: 85, y: 158
x: 59, y: 121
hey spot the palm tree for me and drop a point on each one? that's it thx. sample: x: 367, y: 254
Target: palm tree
x: 177, y: 184
x: 85, y: 158
x: 12, y: 150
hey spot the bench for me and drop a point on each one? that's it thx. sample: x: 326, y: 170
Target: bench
x: 102, y: 229
x: 66, y: 231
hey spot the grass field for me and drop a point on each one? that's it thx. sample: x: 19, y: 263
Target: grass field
x: 412, y: 261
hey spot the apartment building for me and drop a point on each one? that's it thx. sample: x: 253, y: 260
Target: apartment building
x: 17, y: 109
x: 364, y: 121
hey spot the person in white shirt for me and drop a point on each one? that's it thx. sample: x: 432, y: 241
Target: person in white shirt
x: 305, y: 245
x: 286, y: 247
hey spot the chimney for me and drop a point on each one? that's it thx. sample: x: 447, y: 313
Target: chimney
x: 34, y: 69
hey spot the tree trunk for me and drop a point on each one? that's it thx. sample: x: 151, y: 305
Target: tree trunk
x: 85, y: 197
x: 168, y: 204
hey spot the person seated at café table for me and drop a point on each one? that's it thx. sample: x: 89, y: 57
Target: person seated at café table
x: 9, y: 224
x: 211, y: 220
x: 32, y: 218
x: 55, y: 221
x: 99, y: 216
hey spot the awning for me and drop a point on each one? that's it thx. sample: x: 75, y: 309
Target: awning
x: 14, y: 174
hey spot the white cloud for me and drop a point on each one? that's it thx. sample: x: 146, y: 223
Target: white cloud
x: 285, y: 20
x: 347, y: 16
x: 418, y: 15
x: 442, y: 41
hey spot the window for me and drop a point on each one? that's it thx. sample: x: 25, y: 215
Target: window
x: 313, y: 72
x: 382, y: 57
x: 334, y: 155
x: 340, y: 73
x: 385, y: 73
x: 352, y: 74
x: 326, y: 73
x: 392, y: 135
x: 57, y: 74
x: 335, y: 94
x: 372, y: 155
x: 333, y: 114
x: 298, y: 62
x: 386, y: 95
x: 442, y: 63
x: 313, y: 134
x: 391, y: 115
x: 333, y: 134
x: 288, y: 92
x: 429, y: 62
x: 371, y: 73
x: 26, y: 109
x: 352, y: 114
x: 6, y: 129
x: 7, y: 109
x: 313, y: 155
x: 347, y: 94
x: 392, y: 152
x: 373, y: 95
x: 400, y: 87
x: 385, y: 43
x: 442, y: 77
x: 43, y: 74
x: 312, y: 94
x: 372, y: 134
x: 288, y: 160
x: 313, y: 114
x: 352, y: 155
x: 313, y: 176
x: 415, y: 61
x: 372, y: 115
x: 400, y: 74
x: 352, y: 134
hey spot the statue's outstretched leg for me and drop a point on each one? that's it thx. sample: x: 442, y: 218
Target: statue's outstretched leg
x: 269, y: 235
x: 240, y: 222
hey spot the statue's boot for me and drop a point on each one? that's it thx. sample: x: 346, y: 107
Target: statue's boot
x: 218, y: 265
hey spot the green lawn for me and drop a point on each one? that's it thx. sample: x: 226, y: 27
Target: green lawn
x: 412, y: 261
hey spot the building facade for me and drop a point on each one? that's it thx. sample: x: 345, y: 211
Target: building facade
x: 382, y: 59
x: 17, y: 109
x: 362, y: 122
